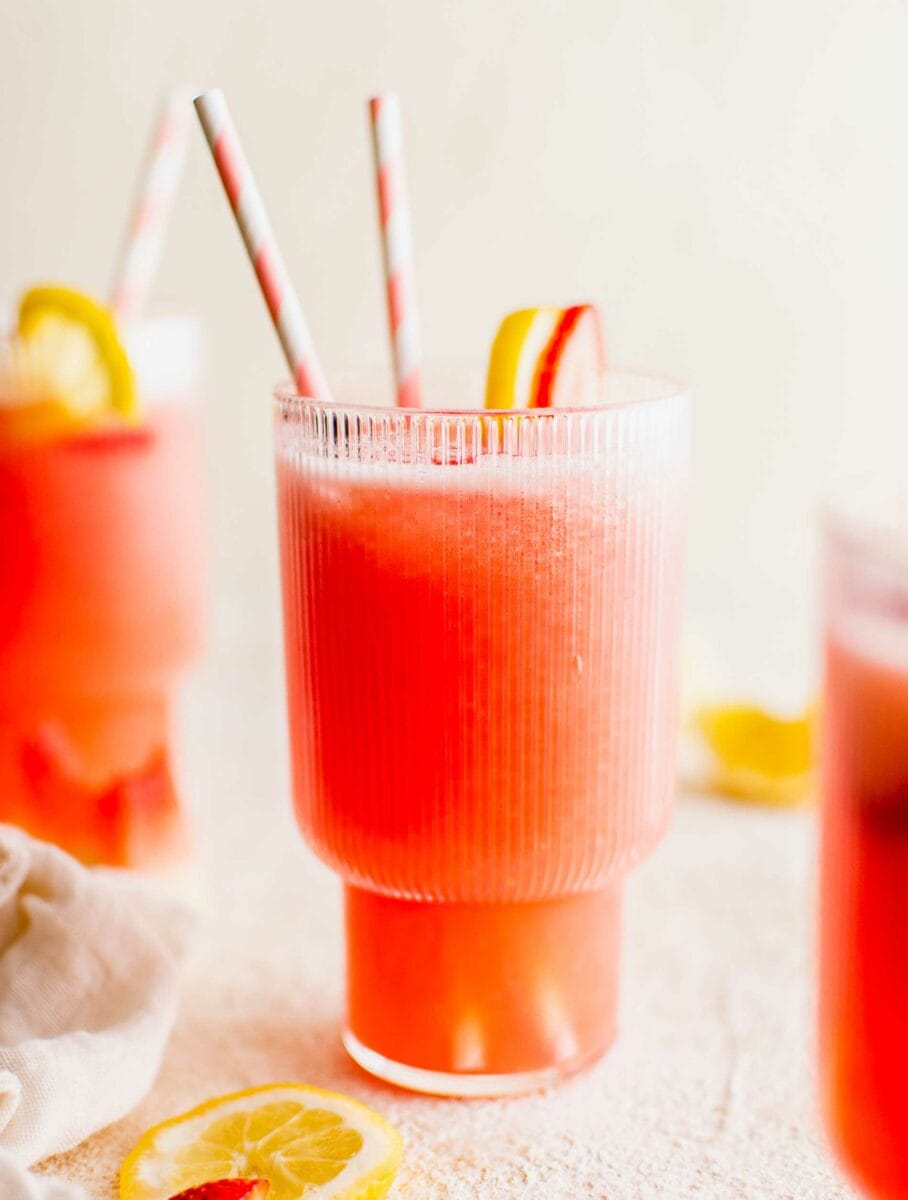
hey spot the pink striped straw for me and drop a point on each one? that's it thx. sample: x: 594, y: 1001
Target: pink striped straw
x: 255, y: 228
x: 397, y: 246
x: 159, y: 181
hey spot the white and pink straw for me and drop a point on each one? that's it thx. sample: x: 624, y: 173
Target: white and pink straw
x: 397, y: 246
x: 255, y: 228
x: 158, y: 184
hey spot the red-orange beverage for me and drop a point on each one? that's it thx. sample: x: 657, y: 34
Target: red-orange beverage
x: 481, y: 622
x: 864, y: 970
x: 101, y: 562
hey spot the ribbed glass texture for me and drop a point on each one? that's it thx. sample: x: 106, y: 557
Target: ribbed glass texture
x: 481, y: 627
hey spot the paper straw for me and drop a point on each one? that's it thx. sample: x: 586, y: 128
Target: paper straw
x: 397, y: 246
x: 255, y: 228
x: 157, y: 187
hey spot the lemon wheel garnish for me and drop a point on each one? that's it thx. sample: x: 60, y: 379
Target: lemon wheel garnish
x: 756, y: 756
x: 305, y: 1141
x: 64, y: 367
x: 91, y: 361
x: 518, y: 345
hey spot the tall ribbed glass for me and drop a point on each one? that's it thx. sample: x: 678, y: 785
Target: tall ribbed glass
x: 481, y: 627
x: 101, y: 611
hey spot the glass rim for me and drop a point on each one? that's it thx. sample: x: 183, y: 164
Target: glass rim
x: 861, y: 522
x: 285, y: 394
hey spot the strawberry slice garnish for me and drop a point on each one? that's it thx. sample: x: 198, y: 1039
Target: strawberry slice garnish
x: 573, y: 360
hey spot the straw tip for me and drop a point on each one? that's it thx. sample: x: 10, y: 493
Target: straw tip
x: 383, y: 100
x: 207, y: 96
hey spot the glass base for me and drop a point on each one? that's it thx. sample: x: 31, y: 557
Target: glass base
x: 95, y: 777
x: 460, y: 1086
x: 480, y: 999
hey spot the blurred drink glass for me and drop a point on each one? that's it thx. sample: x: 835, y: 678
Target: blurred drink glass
x: 481, y: 627
x: 864, y: 940
x: 102, y: 570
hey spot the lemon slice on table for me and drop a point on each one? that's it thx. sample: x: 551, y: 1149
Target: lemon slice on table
x: 305, y: 1141
x: 756, y: 756
x: 546, y: 357
x: 64, y: 367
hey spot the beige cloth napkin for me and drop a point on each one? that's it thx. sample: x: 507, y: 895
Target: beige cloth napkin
x: 89, y: 973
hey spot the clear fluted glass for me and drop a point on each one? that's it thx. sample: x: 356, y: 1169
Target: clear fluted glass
x: 481, y: 625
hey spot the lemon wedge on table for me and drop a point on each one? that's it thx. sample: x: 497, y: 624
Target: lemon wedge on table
x: 755, y: 755
x: 64, y: 367
x: 308, y: 1143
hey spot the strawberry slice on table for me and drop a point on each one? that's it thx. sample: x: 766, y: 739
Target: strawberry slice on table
x: 227, y: 1189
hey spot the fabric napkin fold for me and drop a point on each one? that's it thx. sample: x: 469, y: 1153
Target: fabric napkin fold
x: 89, y: 973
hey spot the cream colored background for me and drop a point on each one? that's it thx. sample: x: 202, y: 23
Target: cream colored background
x: 728, y: 177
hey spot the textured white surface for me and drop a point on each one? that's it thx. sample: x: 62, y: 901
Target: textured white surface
x: 707, y: 1093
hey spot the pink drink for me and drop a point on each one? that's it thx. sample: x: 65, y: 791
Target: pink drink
x: 101, y: 559
x: 864, y: 959
x: 481, y: 621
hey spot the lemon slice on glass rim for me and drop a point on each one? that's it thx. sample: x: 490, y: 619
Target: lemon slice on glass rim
x: 305, y: 1141
x: 64, y: 367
